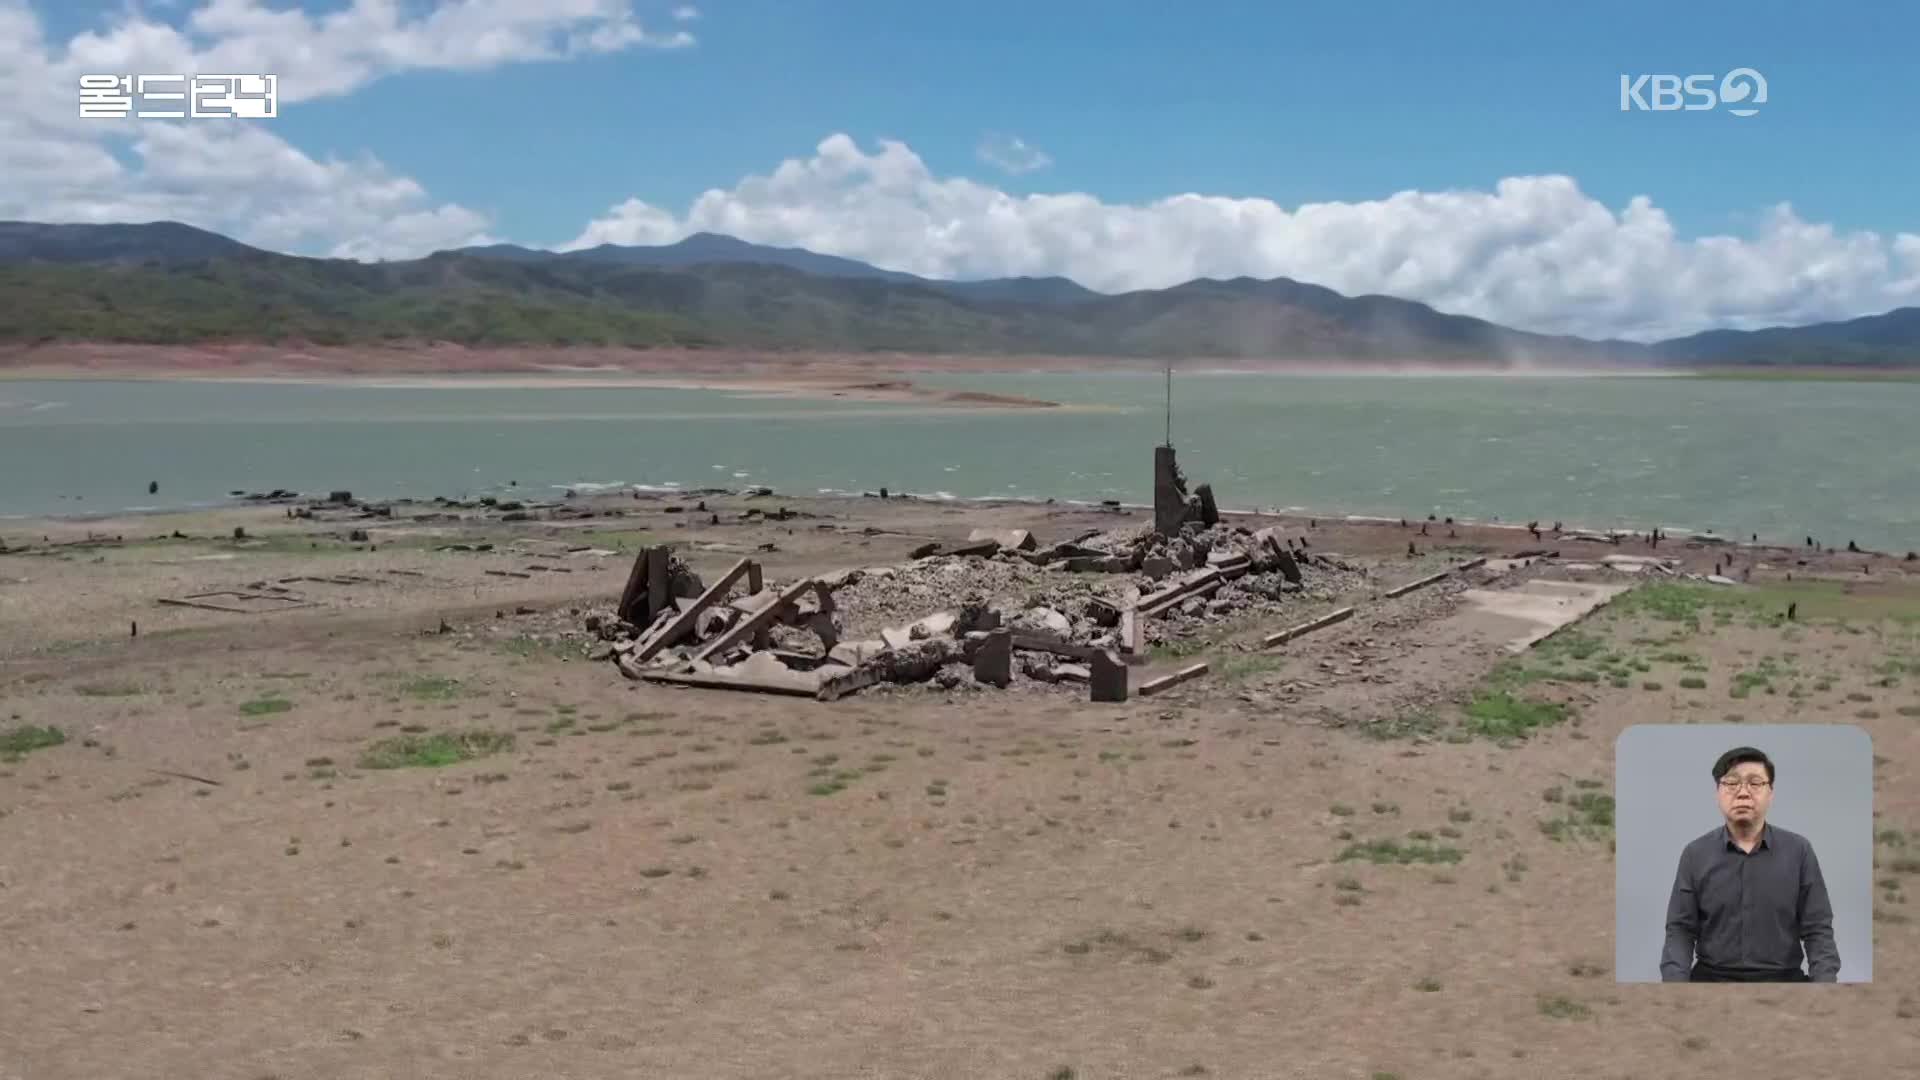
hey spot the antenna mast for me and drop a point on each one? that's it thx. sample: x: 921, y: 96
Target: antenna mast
x: 1169, y: 402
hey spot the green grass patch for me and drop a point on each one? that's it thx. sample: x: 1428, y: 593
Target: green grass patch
x: 15, y: 743
x: 107, y: 690
x: 1764, y: 604
x: 527, y: 647
x: 1403, y: 853
x: 1569, y: 645
x: 1561, y: 1007
x: 433, y: 751
x: 266, y: 706
x: 432, y: 687
x: 1693, y: 682
x: 1500, y: 714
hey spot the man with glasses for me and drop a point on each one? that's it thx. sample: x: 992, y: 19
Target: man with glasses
x: 1748, y: 901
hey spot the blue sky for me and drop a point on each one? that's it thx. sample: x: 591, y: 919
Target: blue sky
x: 1295, y: 102
x: 1132, y: 103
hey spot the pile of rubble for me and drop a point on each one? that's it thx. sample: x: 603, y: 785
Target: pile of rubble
x: 993, y: 611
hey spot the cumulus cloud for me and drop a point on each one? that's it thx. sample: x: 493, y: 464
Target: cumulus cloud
x: 241, y: 178
x: 687, y: 13
x: 1534, y: 252
x: 1011, y: 154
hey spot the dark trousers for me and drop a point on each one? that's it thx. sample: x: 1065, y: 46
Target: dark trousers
x: 1703, y: 972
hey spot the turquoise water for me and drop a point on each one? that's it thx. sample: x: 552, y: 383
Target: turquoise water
x: 1839, y: 460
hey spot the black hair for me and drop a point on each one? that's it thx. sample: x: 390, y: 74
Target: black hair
x: 1739, y: 755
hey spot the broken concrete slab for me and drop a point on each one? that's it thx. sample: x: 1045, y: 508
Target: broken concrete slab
x: 1200, y: 584
x: 855, y: 653
x: 1073, y: 673
x: 713, y: 621
x: 1107, y: 679
x: 1007, y: 539
x: 1230, y: 564
x: 1044, y: 619
x: 840, y: 579
x: 839, y: 684
x: 1209, y: 512
x: 761, y: 673
x: 940, y: 623
x: 912, y: 664
x: 1058, y: 645
x: 1533, y: 610
x: 993, y: 660
x: 1096, y: 564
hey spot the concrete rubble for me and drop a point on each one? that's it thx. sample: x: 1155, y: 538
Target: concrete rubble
x: 999, y: 611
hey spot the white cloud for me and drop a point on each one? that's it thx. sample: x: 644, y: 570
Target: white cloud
x: 1011, y: 154
x: 238, y: 177
x: 1535, y: 252
x: 686, y: 13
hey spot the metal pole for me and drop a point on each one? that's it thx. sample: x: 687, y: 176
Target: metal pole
x: 1169, y: 403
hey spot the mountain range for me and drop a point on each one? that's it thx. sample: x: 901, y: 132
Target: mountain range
x: 165, y: 282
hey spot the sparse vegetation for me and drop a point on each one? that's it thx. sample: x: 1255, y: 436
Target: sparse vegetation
x: 1501, y: 715
x: 1400, y: 852
x: 433, y: 751
x: 107, y: 690
x: 16, y: 743
x: 1561, y: 1007
x: 431, y: 687
x: 265, y: 706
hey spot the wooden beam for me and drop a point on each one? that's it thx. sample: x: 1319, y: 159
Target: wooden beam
x: 758, y: 621
x: 683, y: 623
x: 1154, y: 686
x: 1308, y: 627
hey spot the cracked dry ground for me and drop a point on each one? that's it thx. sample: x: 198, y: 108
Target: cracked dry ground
x: 654, y: 882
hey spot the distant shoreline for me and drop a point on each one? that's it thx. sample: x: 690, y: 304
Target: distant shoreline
x: 845, y: 376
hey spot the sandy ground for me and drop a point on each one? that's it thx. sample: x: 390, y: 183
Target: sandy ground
x: 992, y: 885
x: 852, y: 377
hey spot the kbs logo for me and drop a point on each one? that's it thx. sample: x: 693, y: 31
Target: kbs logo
x: 1741, y: 89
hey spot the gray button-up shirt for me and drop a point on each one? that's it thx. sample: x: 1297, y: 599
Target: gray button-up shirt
x: 1750, y: 912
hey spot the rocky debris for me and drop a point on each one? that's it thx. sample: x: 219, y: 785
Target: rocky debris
x: 1000, y: 611
x: 1007, y: 539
